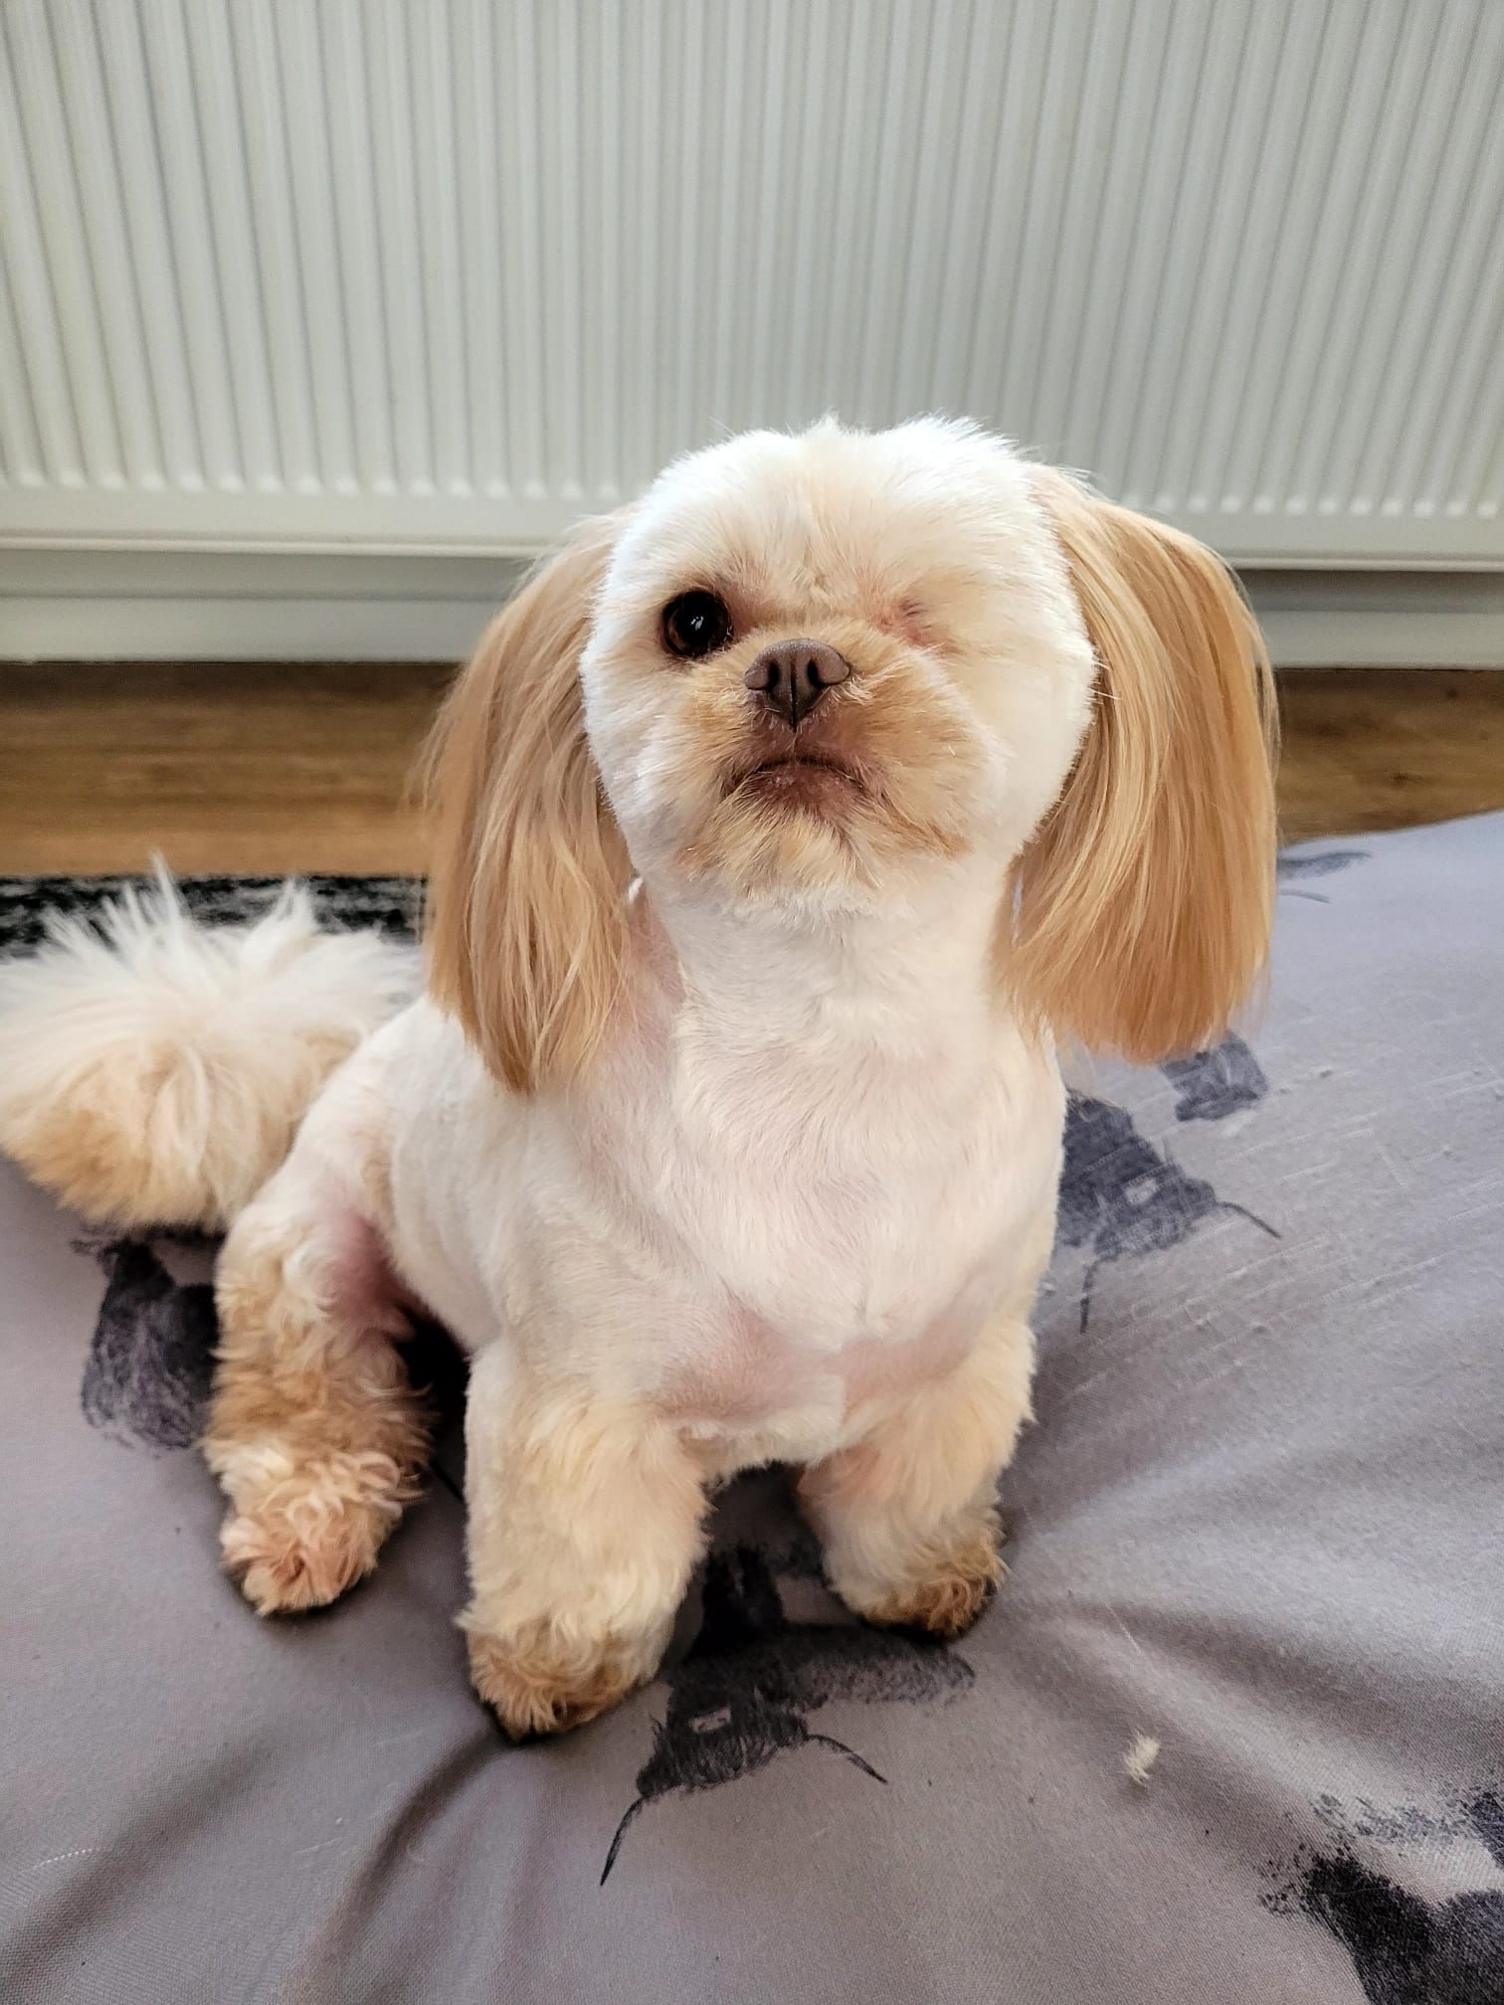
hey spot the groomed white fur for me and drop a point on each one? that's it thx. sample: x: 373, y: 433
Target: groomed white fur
x: 729, y: 1128
x: 153, y: 1071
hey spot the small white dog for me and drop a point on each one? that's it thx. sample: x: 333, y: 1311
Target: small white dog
x: 784, y: 821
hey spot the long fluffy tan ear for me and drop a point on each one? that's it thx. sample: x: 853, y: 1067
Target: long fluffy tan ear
x: 524, y: 926
x: 1144, y: 901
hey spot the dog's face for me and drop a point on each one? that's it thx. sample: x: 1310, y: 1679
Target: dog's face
x: 820, y: 664
x: 804, y: 671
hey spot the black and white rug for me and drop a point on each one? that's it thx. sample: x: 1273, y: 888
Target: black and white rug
x: 388, y: 903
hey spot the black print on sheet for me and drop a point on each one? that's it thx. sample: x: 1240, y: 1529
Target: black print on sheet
x: 151, y: 1361
x: 1293, y: 870
x: 744, y: 1690
x: 1213, y: 1084
x: 1119, y: 1195
x: 1405, y: 1949
x: 1122, y: 1197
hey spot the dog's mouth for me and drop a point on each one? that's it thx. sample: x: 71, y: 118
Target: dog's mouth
x: 799, y: 776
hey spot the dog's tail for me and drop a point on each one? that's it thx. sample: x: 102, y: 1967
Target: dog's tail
x: 153, y: 1071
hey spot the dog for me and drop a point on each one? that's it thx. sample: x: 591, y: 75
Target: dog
x: 786, y: 822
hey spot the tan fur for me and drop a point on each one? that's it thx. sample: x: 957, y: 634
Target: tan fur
x: 524, y: 929
x: 586, y: 1520
x: 533, y: 1689
x: 314, y: 1432
x: 142, y: 1145
x: 903, y: 735
x: 154, y: 1074
x: 98, y: 1150
x: 951, y: 1597
x: 907, y: 1516
x: 1144, y: 902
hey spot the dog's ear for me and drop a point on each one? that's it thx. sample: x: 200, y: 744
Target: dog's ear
x: 1143, y: 902
x: 524, y: 925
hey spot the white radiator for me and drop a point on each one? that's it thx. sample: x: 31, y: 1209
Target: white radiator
x: 434, y: 276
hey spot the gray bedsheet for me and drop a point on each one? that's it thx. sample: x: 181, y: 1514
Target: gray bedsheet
x: 1259, y: 1520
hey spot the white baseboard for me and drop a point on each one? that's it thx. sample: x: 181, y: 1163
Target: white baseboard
x: 1381, y: 619
x: 112, y: 605
x: 98, y: 605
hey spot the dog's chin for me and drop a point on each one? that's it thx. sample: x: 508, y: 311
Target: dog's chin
x: 808, y: 828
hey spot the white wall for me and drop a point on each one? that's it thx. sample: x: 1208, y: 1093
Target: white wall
x: 284, y: 281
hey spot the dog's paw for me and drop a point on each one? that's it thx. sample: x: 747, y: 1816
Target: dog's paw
x: 534, y: 1688
x: 286, y: 1560
x: 946, y: 1600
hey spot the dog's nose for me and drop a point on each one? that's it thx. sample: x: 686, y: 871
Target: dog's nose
x: 793, y: 676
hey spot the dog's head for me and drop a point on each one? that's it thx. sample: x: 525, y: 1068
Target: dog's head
x: 809, y: 673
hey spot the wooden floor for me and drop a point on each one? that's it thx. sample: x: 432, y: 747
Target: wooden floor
x: 270, y: 769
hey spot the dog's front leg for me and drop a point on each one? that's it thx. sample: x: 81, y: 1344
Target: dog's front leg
x: 907, y: 1515
x: 585, y: 1525
x: 315, y: 1433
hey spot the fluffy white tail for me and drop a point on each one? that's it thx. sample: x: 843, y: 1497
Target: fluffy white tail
x: 153, y: 1071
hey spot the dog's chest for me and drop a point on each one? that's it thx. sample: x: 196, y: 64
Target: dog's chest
x: 753, y: 1389
x: 833, y: 1239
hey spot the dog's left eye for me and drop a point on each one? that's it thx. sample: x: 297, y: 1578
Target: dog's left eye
x: 695, y: 624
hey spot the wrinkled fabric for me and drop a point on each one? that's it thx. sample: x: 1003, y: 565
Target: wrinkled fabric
x: 1259, y: 1521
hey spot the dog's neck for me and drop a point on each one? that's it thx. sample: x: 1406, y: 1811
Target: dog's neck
x: 913, y: 974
